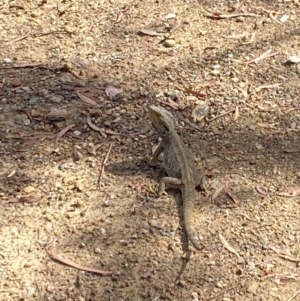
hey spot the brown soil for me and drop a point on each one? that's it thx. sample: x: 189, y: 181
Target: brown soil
x: 63, y: 64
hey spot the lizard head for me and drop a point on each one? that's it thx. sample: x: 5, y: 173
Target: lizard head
x: 162, y: 120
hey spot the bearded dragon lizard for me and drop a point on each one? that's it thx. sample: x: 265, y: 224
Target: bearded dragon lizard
x: 179, y: 164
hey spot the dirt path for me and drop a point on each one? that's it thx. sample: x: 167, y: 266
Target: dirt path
x: 76, y: 78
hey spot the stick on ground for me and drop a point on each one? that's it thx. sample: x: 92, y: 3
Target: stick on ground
x: 75, y: 265
x: 103, y: 164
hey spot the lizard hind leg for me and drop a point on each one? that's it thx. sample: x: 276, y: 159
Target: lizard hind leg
x: 168, y: 181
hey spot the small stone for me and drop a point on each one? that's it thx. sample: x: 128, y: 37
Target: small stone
x: 62, y: 166
x: 44, y: 93
x: 144, y: 225
x: 28, y: 264
x: 169, y: 43
x: 240, y: 19
x: 200, y: 111
x: 50, y: 288
x: 30, y: 288
x: 106, y: 203
x: 79, y: 203
x: 35, y: 113
x: 219, y: 284
x: 170, y: 16
x: 58, y: 184
x: 14, y: 230
x: 97, y: 251
x: 284, y: 18
x: 252, y: 288
x: 26, y: 89
x: 57, y: 98
x: 79, y: 185
x: 215, y: 72
x: 7, y: 60
x: 29, y: 189
x: 293, y: 59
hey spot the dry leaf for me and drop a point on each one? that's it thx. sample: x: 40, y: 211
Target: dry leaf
x: 232, y: 196
x: 78, y: 62
x: 217, y: 192
x: 227, y: 246
x: 135, y: 271
x: 149, y: 32
x: 62, y: 132
x: 286, y: 254
x: 112, y: 91
x: 293, y: 192
x: 111, y: 132
x: 236, y: 113
x: 94, y: 127
x: 88, y: 100
x: 24, y: 199
x: 92, y: 149
x: 120, y: 16
x: 176, y: 26
x: 195, y: 93
x: 261, y: 189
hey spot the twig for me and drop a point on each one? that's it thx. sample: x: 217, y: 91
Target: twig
x: 103, y: 164
x: 271, y: 15
x: 220, y: 16
x: 72, y: 264
x: 35, y: 35
x: 265, y: 55
x: 221, y: 115
x: 22, y: 66
x: 294, y: 296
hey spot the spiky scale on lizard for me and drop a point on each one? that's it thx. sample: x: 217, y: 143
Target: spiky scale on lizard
x: 179, y: 164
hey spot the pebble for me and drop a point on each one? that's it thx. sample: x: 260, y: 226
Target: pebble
x: 26, y: 121
x: 26, y: 89
x: 29, y: 189
x: 252, y: 288
x: 30, y: 288
x: 106, y: 203
x: 240, y: 19
x: 44, y: 93
x: 57, y: 98
x: 35, y: 113
x: 7, y: 60
x: 170, y: 16
x: 169, y: 43
x: 14, y: 230
x: 34, y: 100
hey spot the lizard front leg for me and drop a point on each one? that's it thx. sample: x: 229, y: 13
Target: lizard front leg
x: 156, y: 154
x: 169, y: 181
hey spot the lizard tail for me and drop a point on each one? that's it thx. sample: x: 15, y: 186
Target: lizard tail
x: 188, y: 202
